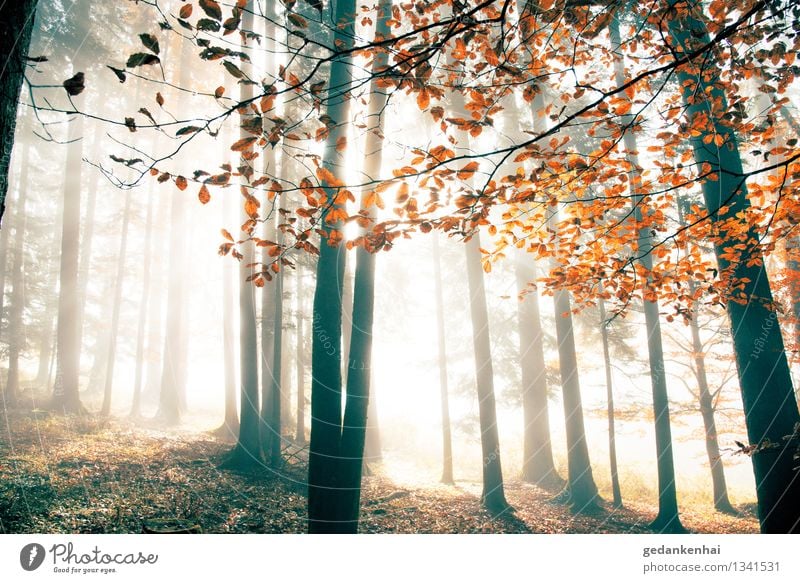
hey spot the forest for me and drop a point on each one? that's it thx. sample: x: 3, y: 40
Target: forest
x: 400, y: 266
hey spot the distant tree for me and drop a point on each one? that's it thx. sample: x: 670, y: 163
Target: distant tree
x: 538, y: 466
x: 667, y: 519
x: 248, y: 450
x: 447, y: 439
x: 16, y: 336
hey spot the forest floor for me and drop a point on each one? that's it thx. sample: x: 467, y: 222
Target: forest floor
x: 87, y: 475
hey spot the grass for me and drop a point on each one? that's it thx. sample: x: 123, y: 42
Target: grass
x: 87, y: 475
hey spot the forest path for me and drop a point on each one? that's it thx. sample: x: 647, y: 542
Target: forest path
x: 87, y: 475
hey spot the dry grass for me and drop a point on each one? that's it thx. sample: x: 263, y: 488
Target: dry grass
x: 84, y: 475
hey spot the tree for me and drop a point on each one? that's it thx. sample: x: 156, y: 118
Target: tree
x: 770, y: 407
x: 248, y: 450
x: 538, y: 466
x: 118, y: 283
x: 68, y: 345
x: 300, y: 362
x: 447, y: 440
x: 667, y: 519
x: 16, y: 337
x: 359, y: 355
x: 493, y: 495
x: 144, y: 301
x: 15, y: 40
x: 612, y: 433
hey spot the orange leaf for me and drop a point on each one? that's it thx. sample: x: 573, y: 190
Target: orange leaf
x: 341, y: 144
x: 251, y: 207
x: 243, y: 144
x: 326, y: 175
x: 181, y: 183
x: 467, y: 171
x: 204, y: 195
x: 423, y: 99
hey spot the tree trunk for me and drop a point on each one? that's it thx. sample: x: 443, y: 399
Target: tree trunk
x: 87, y: 236
x: 168, y: 405
x: 326, y: 349
x: 118, y: 284
x: 147, y: 256
x: 300, y: 428
x: 373, y: 452
x: 15, y: 39
x: 668, y: 519
x: 16, y: 338
x: 276, y: 399
x: 769, y: 401
x: 230, y: 425
x: 721, y: 501
x: 581, y: 490
x: 268, y: 293
x: 447, y: 439
x: 538, y: 466
x: 155, y: 319
x: 65, y: 392
x: 347, y: 317
x: 612, y: 434
x: 492, y: 496
x: 248, y: 451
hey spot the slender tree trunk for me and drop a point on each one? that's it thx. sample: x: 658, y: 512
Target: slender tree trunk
x: 65, y: 392
x: 721, y: 501
x: 155, y: 320
x: 168, y: 406
x: 87, y: 236
x: 612, y: 433
x: 47, y: 341
x: 147, y: 256
x: 230, y: 426
x: 118, y: 284
x: 269, y: 298
x: 447, y: 440
x: 248, y: 450
x: 15, y: 39
x: 16, y: 338
x: 45, y: 350
x: 277, y: 342
x: 347, y: 317
x: 668, y: 519
x: 373, y: 452
x: 581, y: 489
x: 300, y: 428
x: 538, y: 466
x: 769, y: 401
x: 493, y: 496
x: 326, y: 351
